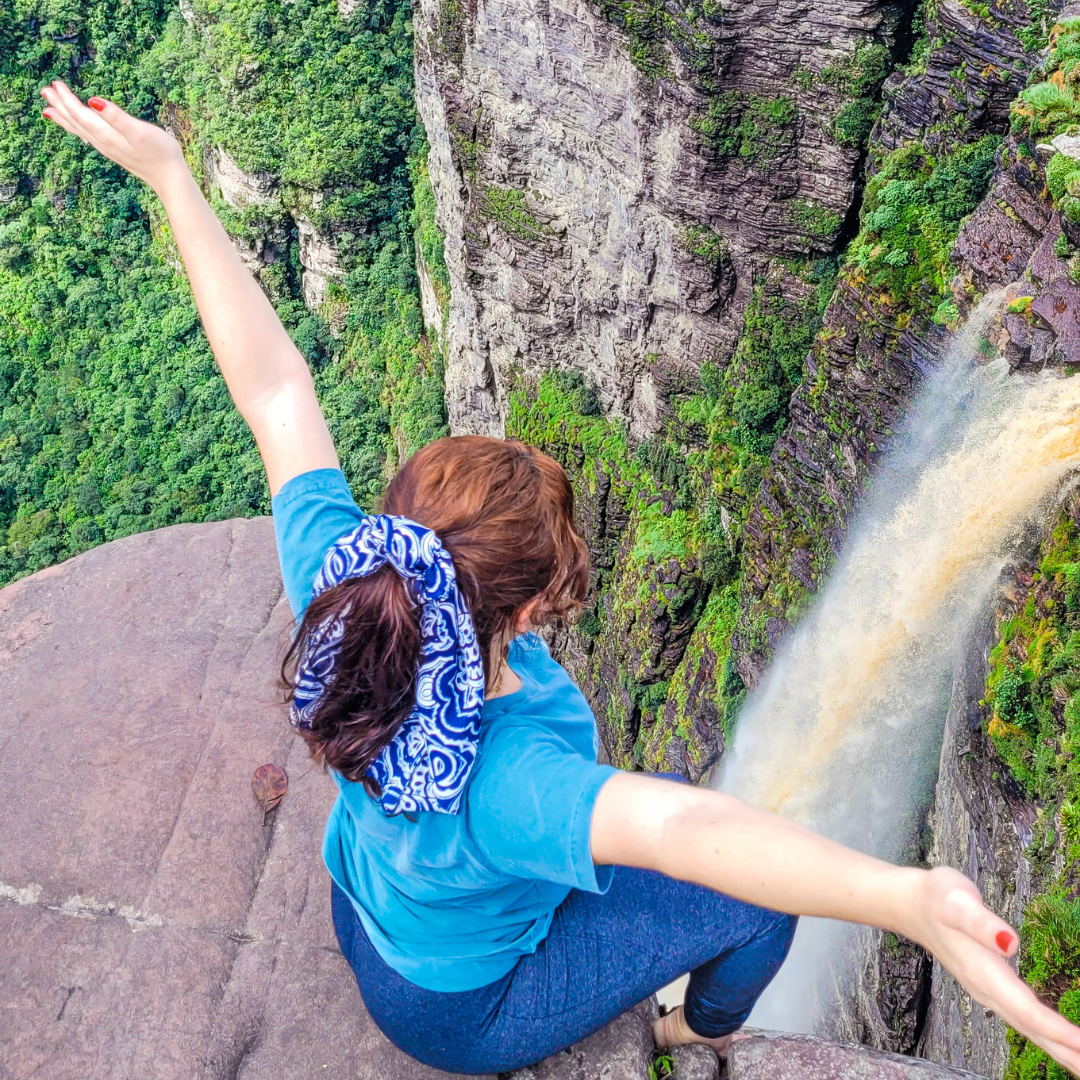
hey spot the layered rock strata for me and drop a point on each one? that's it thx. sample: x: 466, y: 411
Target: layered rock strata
x: 567, y: 179
x: 871, y: 353
x: 973, y: 70
x: 980, y: 823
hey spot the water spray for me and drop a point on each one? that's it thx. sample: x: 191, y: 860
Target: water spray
x: 844, y: 732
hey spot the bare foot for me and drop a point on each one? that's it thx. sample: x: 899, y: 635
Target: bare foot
x: 673, y: 1030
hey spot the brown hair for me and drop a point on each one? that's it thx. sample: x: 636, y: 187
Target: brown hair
x: 505, y: 513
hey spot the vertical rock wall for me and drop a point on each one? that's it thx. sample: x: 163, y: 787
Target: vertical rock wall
x: 613, y: 203
x: 873, y: 346
x: 980, y: 824
x: 567, y: 180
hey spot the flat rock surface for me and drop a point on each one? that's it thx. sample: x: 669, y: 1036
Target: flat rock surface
x: 770, y: 1055
x: 151, y: 927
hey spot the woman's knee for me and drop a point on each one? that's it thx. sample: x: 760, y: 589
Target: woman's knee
x: 723, y: 991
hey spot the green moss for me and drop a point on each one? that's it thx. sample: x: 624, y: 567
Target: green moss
x: 508, y: 207
x: 705, y: 243
x: 910, y: 218
x: 814, y: 220
x: 1041, y: 17
x: 1033, y: 718
x: 757, y: 129
x: 1050, y: 107
x: 655, y: 32
x: 768, y: 361
x: 858, y: 76
x: 660, y: 536
x: 428, y: 237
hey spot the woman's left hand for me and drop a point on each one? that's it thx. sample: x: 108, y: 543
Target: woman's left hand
x: 971, y: 942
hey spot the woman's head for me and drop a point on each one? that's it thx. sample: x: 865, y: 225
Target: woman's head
x: 505, y: 513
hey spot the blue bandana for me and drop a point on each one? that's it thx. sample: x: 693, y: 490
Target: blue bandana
x: 426, y: 764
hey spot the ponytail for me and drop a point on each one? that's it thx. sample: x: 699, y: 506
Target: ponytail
x: 373, y: 690
x: 505, y: 513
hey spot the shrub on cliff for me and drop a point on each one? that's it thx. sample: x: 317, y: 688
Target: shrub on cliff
x: 1033, y: 704
x: 910, y: 217
x: 1050, y: 107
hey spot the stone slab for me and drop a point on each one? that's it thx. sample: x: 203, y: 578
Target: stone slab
x: 770, y: 1055
x: 150, y: 925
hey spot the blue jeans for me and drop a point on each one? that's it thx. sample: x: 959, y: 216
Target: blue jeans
x: 602, y: 955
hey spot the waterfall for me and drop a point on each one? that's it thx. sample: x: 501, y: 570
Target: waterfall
x: 843, y: 733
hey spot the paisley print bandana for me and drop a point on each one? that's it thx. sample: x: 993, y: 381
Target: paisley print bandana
x: 426, y: 764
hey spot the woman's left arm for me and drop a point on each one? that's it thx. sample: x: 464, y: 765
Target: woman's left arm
x: 703, y: 836
x: 267, y: 377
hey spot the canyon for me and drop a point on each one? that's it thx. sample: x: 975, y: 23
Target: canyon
x: 705, y: 256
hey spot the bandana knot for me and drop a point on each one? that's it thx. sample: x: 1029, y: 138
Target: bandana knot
x: 427, y: 763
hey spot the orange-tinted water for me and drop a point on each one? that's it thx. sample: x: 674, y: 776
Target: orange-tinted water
x: 844, y: 732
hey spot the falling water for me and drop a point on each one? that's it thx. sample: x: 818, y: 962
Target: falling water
x: 843, y: 734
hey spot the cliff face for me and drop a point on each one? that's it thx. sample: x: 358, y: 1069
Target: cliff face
x: 628, y: 217
x: 638, y: 208
x: 878, y: 336
x: 981, y: 825
x: 621, y: 189
x: 606, y: 200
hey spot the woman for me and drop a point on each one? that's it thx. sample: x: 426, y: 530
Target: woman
x: 498, y: 893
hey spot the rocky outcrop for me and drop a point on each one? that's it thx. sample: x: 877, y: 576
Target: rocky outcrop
x: 282, y: 215
x: 972, y: 72
x: 150, y: 924
x: 238, y: 188
x: 607, y: 218
x: 319, y: 258
x: 776, y: 1056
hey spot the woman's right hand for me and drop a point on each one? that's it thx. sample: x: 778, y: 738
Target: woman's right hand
x: 971, y: 942
x: 145, y: 150
x: 715, y: 840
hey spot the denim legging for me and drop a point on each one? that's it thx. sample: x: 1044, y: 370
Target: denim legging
x: 602, y: 955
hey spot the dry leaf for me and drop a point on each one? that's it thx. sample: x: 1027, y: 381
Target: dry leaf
x: 269, y: 785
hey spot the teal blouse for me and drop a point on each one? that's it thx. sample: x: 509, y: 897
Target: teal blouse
x: 452, y: 900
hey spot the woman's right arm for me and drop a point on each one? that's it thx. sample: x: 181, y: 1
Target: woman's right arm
x: 699, y: 835
x: 267, y: 377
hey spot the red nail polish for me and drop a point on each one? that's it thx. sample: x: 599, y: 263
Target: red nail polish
x: 97, y: 104
x: 1004, y: 940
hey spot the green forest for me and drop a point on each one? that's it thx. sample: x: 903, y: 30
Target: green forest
x: 113, y: 418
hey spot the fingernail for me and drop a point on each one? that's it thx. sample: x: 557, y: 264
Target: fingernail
x: 1004, y: 940
x: 97, y: 104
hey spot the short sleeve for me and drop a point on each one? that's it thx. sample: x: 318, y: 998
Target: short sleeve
x: 311, y: 513
x: 530, y: 808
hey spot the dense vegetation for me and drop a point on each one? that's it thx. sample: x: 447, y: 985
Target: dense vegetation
x: 112, y: 416
x: 1033, y: 718
x: 910, y: 217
